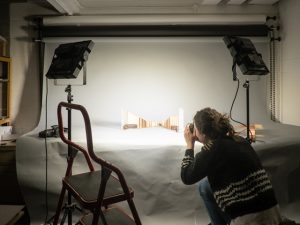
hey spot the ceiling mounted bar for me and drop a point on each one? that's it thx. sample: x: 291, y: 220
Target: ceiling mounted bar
x: 238, y: 19
x: 154, y: 31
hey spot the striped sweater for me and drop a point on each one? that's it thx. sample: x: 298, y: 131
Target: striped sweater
x: 239, y: 182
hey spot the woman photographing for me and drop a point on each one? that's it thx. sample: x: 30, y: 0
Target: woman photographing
x: 233, y: 184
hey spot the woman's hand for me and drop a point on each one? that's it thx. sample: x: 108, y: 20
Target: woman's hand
x: 189, y: 137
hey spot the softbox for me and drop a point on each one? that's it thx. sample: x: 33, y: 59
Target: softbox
x: 68, y: 59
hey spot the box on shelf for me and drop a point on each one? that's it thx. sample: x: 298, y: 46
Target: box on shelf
x: 5, y: 131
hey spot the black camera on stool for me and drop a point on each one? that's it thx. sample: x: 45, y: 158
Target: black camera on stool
x: 53, y: 132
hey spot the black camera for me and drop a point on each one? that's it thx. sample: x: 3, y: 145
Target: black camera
x: 53, y: 132
x: 191, y: 127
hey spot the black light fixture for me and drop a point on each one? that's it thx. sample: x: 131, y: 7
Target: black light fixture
x: 68, y: 59
x: 245, y: 55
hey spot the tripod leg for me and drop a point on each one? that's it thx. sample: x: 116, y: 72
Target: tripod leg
x: 48, y: 222
x: 96, y: 214
x: 66, y: 211
x: 59, y: 206
x: 134, y: 211
x: 79, y: 209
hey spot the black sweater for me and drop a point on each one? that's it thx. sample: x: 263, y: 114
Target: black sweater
x: 237, y: 178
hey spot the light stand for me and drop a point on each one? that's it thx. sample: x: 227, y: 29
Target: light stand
x: 69, y: 207
x: 247, y: 86
x: 67, y: 63
x: 250, y: 62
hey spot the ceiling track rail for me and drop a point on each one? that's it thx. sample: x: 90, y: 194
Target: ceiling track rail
x: 153, y: 31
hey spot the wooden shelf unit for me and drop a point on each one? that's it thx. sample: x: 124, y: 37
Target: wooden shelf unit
x: 12, y: 204
x: 10, y: 192
x: 5, y: 83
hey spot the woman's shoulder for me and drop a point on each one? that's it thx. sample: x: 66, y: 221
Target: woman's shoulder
x: 232, y: 140
x: 227, y: 142
x: 208, y: 146
x: 238, y: 138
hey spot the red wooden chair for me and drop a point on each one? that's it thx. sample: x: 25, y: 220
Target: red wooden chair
x: 95, y: 190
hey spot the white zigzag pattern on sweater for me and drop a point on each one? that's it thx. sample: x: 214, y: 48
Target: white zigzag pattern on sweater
x: 223, y: 206
x: 239, y: 191
x: 260, y: 173
x: 186, y: 161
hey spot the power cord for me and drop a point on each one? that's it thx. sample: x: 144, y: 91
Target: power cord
x: 230, y: 113
x: 235, y: 78
x: 46, y: 159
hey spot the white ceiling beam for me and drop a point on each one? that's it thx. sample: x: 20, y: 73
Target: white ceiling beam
x: 210, y: 2
x: 235, y: 2
x: 69, y: 7
x: 262, y: 2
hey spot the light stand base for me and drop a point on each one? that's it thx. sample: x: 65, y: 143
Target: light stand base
x: 68, y: 209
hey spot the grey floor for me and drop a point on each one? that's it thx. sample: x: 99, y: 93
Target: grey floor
x: 197, y: 217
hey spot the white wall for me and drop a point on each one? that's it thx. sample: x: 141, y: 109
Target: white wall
x: 154, y: 77
x: 290, y: 34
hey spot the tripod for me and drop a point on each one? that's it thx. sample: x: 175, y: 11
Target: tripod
x: 69, y: 207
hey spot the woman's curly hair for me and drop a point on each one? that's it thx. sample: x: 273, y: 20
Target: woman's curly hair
x: 213, y: 124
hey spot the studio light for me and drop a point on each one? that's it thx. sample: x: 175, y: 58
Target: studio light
x: 68, y: 60
x: 245, y: 55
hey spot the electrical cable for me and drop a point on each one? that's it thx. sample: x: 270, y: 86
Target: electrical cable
x: 230, y: 113
x: 46, y: 159
x: 235, y: 78
x: 272, y: 77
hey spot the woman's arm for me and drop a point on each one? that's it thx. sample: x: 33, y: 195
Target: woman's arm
x: 193, y: 169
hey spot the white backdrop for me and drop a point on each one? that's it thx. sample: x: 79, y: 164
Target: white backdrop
x: 154, y: 77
